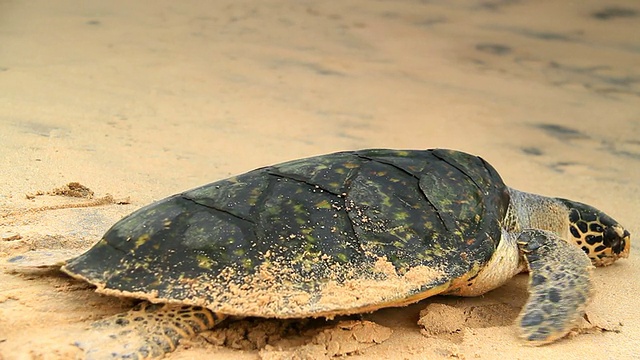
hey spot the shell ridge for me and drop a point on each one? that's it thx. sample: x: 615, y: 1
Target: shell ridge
x: 347, y: 186
x: 489, y: 168
x: 389, y: 163
x: 349, y: 180
x: 301, y: 179
x: 447, y: 224
x: 457, y: 166
x: 230, y: 213
x: 255, y: 210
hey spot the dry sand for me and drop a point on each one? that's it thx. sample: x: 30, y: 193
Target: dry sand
x: 144, y: 99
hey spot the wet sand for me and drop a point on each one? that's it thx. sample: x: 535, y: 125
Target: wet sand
x: 142, y: 101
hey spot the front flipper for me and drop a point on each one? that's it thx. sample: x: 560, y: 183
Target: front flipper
x: 559, y: 286
x: 148, y: 331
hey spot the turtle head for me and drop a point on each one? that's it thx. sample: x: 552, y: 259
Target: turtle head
x: 602, y: 238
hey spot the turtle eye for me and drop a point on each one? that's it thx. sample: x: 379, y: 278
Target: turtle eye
x: 610, y: 236
x: 614, y: 239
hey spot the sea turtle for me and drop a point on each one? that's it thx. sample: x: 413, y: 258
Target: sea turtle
x: 344, y: 233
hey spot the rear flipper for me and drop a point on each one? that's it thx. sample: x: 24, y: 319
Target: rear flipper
x: 148, y: 331
x: 559, y: 286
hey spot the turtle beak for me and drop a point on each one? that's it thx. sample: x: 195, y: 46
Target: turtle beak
x: 626, y: 239
x: 619, y: 242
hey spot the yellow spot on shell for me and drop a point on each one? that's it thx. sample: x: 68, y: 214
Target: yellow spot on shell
x: 255, y: 193
x: 247, y: 264
x: 102, y: 242
x: 324, y: 204
x: 401, y: 215
x: 141, y: 240
x: 204, y: 262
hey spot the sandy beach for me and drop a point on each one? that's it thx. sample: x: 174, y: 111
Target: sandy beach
x: 137, y: 101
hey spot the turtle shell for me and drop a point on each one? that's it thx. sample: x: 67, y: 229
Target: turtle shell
x: 334, y: 234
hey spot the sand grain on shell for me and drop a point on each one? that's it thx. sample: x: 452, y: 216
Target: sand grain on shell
x: 278, y: 290
x: 361, y: 292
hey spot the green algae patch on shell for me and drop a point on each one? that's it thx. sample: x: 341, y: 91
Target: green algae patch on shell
x: 333, y: 234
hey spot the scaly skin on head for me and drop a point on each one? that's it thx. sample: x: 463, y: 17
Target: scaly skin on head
x: 602, y: 238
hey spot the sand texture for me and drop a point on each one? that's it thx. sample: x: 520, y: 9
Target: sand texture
x: 108, y: 106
